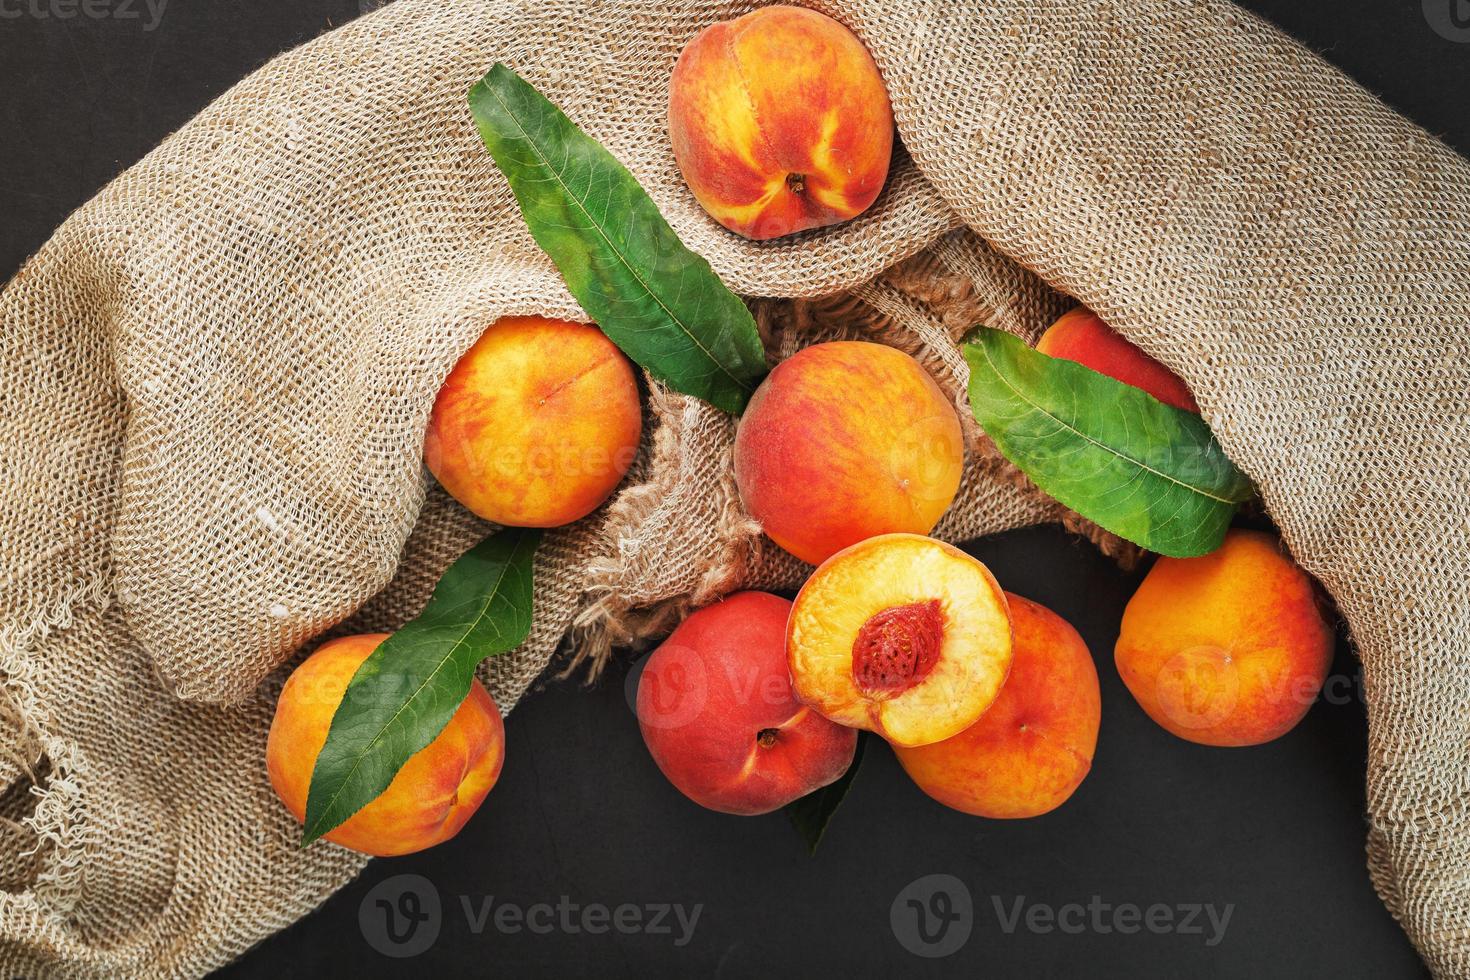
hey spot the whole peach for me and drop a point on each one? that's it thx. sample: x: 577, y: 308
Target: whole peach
x: 537, y: 423
x: 435, y: 792
x: 717, y: 712
x: 1033, y: 747
x: 1227, y: 649
x: 1082, y: 337
x: 780, y: 122
x: 843, y: 441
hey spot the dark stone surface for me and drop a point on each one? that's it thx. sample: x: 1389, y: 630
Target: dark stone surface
x: 583, y: 819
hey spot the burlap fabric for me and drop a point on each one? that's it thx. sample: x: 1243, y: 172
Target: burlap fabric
x: 216, y: 378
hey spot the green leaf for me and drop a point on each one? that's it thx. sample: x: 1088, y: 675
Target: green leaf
x: 811, y: 814
x: 404, y: 694
x: 658, y: 301
x: 1146, y: 471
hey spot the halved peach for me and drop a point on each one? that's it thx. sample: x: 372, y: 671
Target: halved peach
x: 902, y: 635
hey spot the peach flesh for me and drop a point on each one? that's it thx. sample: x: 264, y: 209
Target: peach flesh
x: 902, y: 635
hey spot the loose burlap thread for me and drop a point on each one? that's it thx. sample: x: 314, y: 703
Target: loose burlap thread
x: 218, y: 372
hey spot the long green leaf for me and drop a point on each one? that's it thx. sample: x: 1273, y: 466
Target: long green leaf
x: 1146, y: 471
x: 811, y: 814
x: 658, y: 301
x: 404, y: 694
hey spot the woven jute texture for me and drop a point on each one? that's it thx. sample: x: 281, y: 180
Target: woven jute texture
x: 217, y: 374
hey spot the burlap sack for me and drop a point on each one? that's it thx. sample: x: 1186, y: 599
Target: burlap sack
x: 217, y: 374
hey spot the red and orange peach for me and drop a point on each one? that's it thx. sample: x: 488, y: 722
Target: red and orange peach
x: 844, y: 441
x: 1227, y: 649
x: 780, y: 122
x: 430, y: 798
x: 1082, y: 337
x: 1031, y: 750
x: 718, y: 714
x: 537, y: 423
x: 903, y: 635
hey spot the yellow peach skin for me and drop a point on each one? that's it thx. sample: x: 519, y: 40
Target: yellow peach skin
x: 434, y: 793
x: 780, y: 122
x: 844, y: 441
x: 1228, y: 649
x: 1031, y: 750
x: 902, y: 635
x: 537, y: 424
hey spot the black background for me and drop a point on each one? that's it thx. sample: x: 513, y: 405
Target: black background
x: 1277, y: 832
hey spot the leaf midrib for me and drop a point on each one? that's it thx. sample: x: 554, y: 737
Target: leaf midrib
x: 545, y: 162
x: 453, y: 649
x: 985, y: 349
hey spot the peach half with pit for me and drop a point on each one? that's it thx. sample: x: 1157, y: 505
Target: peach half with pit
x: 903, y: 635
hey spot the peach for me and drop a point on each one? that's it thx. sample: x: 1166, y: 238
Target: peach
x: 1080, y: 336
x: 780, y: 122
x: 537, y: 423
x: 1227, y: 649
x: 718, y: 715
x: 1031, y: 750
x: 903, y: 635
x: 843, y: 441
x: 435, y: 792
